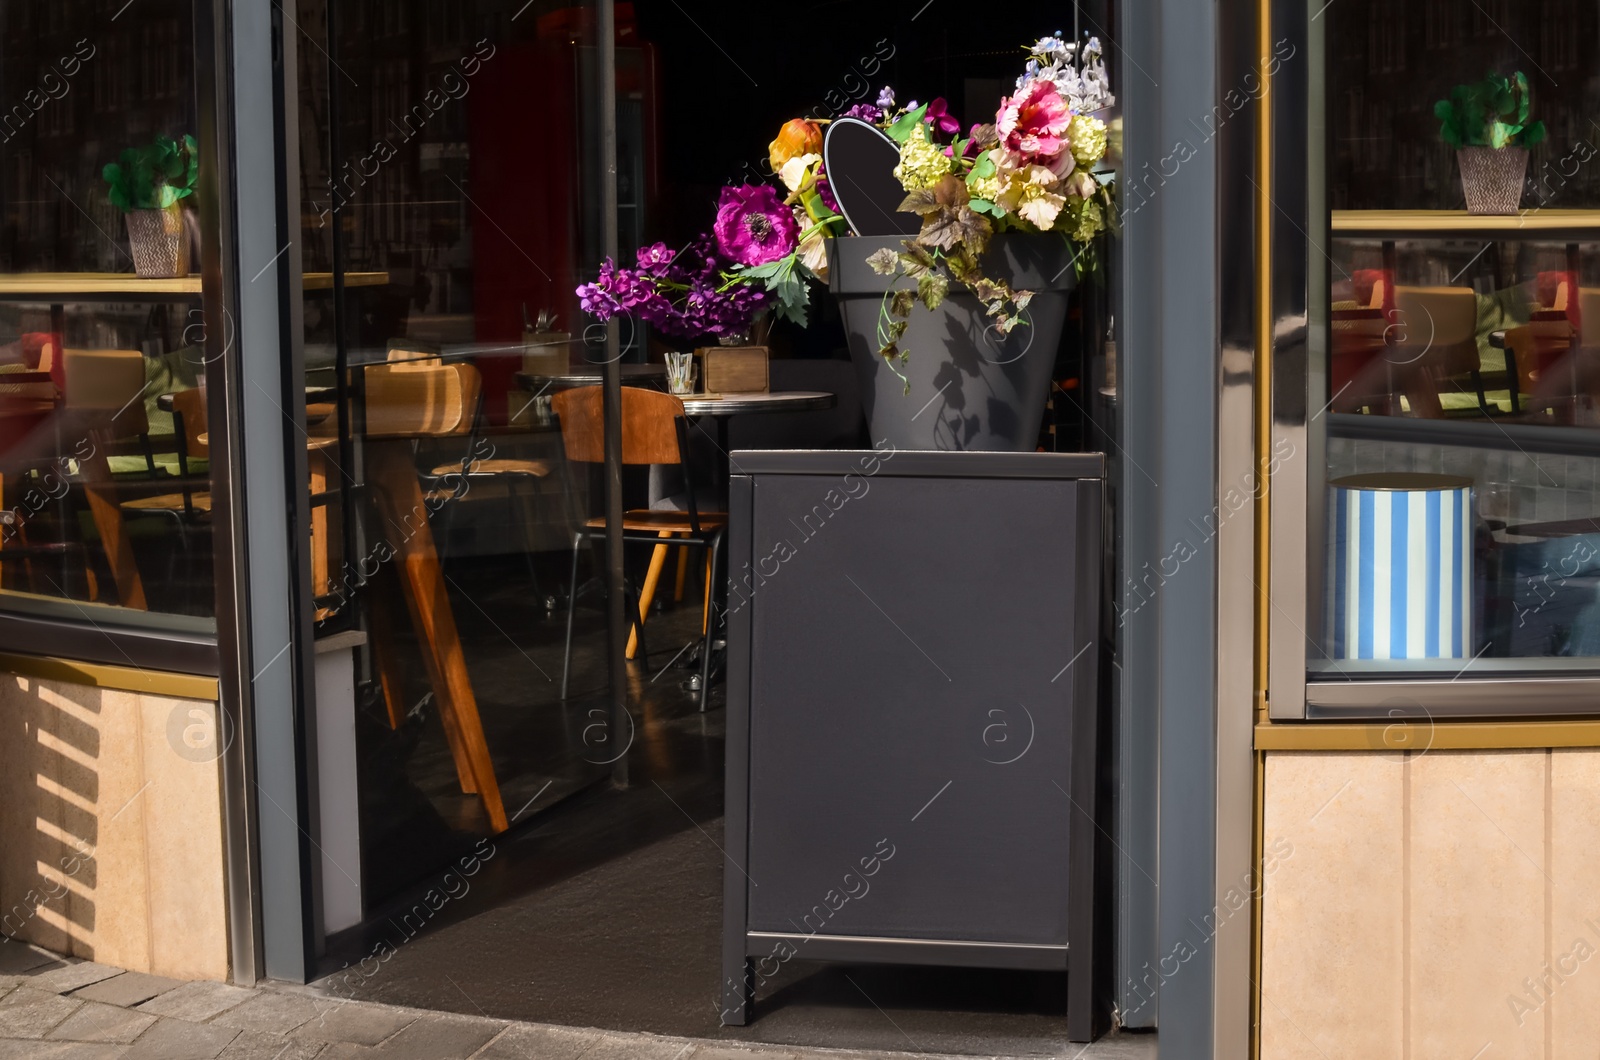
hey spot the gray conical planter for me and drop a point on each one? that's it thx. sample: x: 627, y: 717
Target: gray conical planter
x: 970, y: 389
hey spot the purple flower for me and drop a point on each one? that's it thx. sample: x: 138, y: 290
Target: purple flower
x: 940, y: 118
x: 753, y: 227
x: 657, y: 256
x: 886, y: 99
x: 825, y: 189
x: 866, y: 112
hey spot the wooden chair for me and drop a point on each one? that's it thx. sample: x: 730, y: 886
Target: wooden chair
x: 102, y: 395
x: 1434, y: 338
x: 654, y: 431
x: 519, y: 478
x: 191, y: 504
x: 406, y: 404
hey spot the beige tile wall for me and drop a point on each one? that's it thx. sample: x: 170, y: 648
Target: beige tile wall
x: 1440, y: 904
x: 111, y: 827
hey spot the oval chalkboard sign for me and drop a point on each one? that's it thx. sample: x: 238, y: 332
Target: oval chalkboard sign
x: 860, y: 161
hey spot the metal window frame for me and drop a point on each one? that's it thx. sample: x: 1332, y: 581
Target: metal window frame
x: 1295, y: 546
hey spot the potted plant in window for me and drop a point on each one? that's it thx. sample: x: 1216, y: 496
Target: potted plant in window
x: 146, y: 184
x: 1487, y: 123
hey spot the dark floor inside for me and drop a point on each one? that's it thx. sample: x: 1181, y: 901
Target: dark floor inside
x: 602, y: 906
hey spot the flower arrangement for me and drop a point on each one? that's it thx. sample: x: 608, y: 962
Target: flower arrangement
x: 762, y: 253
x: 1031, y: 170
x: 1489, y: 113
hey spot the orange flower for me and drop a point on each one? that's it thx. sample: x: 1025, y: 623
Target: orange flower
x: 797, y: 137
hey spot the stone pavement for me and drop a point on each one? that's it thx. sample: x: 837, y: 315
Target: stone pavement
x: 61, y: 1008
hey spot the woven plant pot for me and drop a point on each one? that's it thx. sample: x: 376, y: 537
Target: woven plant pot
x: 1492, y: 178
x: 160, y: 245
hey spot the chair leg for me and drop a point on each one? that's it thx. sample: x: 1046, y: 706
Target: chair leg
x: 632, y: 606
x: 572, y: 610
x: 528, y: 519
x: 712, y: 555
x: 683, y: 573
x: 647, y: 595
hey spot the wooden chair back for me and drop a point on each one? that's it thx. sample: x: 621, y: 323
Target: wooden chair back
x: 107, y: 384
x: 1437, y: 327
x: 189, y: 411
x: 649, y: 425
x: 421, y: 400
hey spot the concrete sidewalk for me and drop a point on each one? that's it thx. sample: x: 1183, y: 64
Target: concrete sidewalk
x: 59, y: 1008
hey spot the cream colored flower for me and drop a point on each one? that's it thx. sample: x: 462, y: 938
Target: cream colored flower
x: 813, y: 249
x: 795, y: 173
x: 1087, y: 138
x: 922, y: 163
x: 1033, y: 194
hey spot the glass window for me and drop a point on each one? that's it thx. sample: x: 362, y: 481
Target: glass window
x: 105, y: 500
x: 1455, y: 382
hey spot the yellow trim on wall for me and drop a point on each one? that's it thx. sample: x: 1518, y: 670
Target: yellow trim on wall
x: 119, y: 678
x: 1421, y: 734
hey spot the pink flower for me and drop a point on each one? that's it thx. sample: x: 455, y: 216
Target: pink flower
x: 1033, y: 123
x: 753, y: 226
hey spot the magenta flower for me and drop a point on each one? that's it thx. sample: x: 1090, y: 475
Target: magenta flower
x: 657, y: 255
x: 1034, y: 122
x: 866, y: 112
x: 825, y: 189
x: 940, y: 118
x: 753, y: 226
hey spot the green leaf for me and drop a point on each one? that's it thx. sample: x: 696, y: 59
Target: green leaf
x: 931, y: 289
x: 983, y: 168
x: 901, y: 130
x: 1533, y: 135
x: 985, y: 206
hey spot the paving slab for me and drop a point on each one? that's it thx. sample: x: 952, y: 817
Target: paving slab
x: 270, y: 1012
x: 11, y: 1049
x: 18, y: 957
x: 94, y: 1022
x: 722, y: 1051
x: 127, y: 989
x: 639, y: 1047
x: 435, y: 1037
x: 171, y: 1039
x: 29, y: 1013
x: 251, y: 1045
x: 197, y: 1002
x: 74, y: 975
x: 522, y: 1041
x: 353, y: 1022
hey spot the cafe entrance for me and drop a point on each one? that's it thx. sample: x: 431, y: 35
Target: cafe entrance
x: 454, y: 187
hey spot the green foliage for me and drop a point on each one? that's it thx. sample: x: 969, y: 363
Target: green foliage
x: 786, y: 278
x: 1489, y: 113
x: 153, y: 177
x: 901, y: 130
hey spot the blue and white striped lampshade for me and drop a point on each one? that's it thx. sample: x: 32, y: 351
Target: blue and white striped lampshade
x: 1400, y: 567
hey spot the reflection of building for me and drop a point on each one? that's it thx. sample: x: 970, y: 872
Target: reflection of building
x: 1383, y: 132
x: 64, y: 81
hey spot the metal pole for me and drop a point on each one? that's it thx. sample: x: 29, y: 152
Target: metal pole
x: 617, y: 625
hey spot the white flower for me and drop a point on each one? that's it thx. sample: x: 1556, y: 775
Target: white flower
x: 795, y: 171
x: 813, y: 249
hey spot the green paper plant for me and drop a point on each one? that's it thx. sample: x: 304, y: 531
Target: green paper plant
x: 153, y: 177
x: 1489, y: 113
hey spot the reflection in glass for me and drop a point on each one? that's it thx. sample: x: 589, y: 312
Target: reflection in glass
x: 1462, y: 346
x: 105, y: 494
